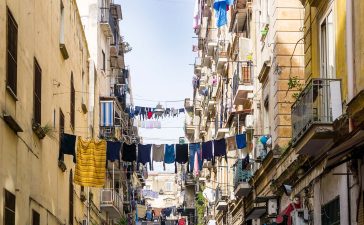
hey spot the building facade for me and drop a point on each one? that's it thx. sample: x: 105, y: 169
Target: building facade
x: 44, y: 81
x: 287, y: 74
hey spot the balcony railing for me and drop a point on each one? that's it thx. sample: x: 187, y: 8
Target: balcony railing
x: 241, y: 175
x: 243, y: 76
x: 111, y: 202
x: 319, y: 103
x: 106, y: 21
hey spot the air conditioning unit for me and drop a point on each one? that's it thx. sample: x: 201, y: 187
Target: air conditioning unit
x: 299, y: 217
x: 245, y: 48
x: 272, y: 207
x: 249, y: 121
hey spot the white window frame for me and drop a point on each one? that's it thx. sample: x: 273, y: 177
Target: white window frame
x: 324, y: 17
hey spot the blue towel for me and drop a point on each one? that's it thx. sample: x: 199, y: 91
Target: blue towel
x: 220, y: 7
x: 169, y: 154
x: 241, y: 141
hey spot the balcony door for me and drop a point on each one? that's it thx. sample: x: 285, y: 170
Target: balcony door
x: 327, y: 45
x: 322, y: 109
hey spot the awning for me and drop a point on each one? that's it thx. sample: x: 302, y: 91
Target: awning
x: 107, y: 114
x: 256, y: 213
x: 341, y: 152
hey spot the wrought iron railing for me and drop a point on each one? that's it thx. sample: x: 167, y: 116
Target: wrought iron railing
x: 243, y: 75
x: 242, y: 172
x: 318, y: 103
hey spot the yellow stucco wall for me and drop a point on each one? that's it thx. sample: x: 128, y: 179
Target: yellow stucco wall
x: 28, y: 165
x: 359, y: 45
x: 313, y: 17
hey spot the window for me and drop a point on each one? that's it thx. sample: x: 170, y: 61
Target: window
x: 12, y: 48
x: 266, y: 128
x: 9, y: 209
x: 35, y: 218
x: 327, y: 47
x: 330, y: 213
x: 70, y: 206
x: 168, y: 186
x: 72, y: 106
x: 37, y: 93
x: 103, y: 61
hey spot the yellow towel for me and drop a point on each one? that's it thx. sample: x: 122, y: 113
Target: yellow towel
x: 91, y: 163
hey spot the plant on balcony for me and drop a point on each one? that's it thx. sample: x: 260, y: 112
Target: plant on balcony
x: 122, y: 221
x: 294, y: 83
x: 41, y: 132
x: 125, y: 46
x: 200, y: 207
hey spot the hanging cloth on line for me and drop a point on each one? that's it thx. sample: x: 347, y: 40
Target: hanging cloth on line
x: 91, y: 163
x: 68, y: 142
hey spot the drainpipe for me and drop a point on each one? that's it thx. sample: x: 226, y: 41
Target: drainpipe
x: 350, y: 85
x: 350, y: 48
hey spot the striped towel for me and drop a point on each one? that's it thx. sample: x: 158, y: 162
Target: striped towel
x: 91, y: 163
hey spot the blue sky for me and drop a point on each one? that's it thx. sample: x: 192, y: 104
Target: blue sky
x: 161, y: 35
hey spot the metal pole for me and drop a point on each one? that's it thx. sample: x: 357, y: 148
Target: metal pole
x: 88, y: 205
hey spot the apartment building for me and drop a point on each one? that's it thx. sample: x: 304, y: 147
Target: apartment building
x: 44, y: 82
x: 292, y: 69
x: 101, y: 21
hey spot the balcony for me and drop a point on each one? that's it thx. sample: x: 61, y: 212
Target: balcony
x: 243, y: 86
x: 212, y: 41
x: 238, y: 15
x: 189, y: 127
x: 313, y: 113
x: 241, y: 179
x: 111, y: 202
x: 221, y: 199
x: 198, y: 65
x: 106, y: 21
x: 221, y: 56
x: 188, y: 104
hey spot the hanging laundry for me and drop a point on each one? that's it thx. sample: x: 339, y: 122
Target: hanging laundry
x: 182, y: 221
x: 231, y: 143
x: 169, y: 155
x: 68, y: 143
x: 113, y: 150
x: 144, y: 154
x: 158, y: 153
x: 207, y: 151
x: 137, y: 110
x: 91, y: 163
x: 245, y: 162
x: 196, y: 17
x: 194, y: 149
x: 220, y: 7
x: 129, y: 152
x: 167, y: 112
x: 141, y: 210
x: 181, y: 155
x: 174, y: 112
x: 150, y: 114
x: 196, y: 166
x: 143, y: 113
x: 220, y: 148
x: 241, y: 141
